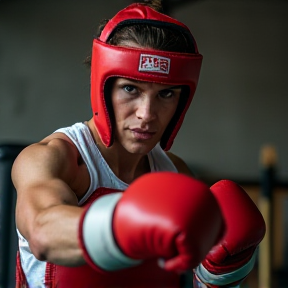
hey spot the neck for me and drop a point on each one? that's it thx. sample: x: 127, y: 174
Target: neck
x: 125, y: 165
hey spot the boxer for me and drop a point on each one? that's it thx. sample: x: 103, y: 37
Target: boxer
x: 102, y: 203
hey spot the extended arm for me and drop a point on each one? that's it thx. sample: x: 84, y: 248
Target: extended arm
x: 46, y: 212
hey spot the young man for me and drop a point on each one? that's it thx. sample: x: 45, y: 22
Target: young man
x: 76, y: 227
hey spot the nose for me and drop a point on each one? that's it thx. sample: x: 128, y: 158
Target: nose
x: 146, y: 109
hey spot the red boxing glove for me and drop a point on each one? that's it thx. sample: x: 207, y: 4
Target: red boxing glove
x: 232, y: 259
x: 160, y: 215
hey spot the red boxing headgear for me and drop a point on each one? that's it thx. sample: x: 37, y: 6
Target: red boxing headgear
x: 172, y: 68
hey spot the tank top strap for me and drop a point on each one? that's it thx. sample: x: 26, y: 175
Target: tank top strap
x: 159, y: 160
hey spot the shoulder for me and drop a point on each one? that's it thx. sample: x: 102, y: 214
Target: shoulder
x: 56, y: 146
x: 179, y: 164
x: 53, y: 156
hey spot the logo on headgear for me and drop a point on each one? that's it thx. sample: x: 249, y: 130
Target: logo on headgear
x: 154, y: 63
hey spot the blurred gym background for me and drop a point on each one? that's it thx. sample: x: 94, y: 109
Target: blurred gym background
x: 235, y: 127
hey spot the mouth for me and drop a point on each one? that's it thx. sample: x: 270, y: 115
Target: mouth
x: 141, y: 134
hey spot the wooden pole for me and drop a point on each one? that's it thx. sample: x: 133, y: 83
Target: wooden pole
x: 268, y: 159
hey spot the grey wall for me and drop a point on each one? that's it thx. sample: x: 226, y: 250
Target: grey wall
x: 240, y: 103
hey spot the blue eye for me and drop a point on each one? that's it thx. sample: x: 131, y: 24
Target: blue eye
x: 129, y: 88
x: 166, y: 93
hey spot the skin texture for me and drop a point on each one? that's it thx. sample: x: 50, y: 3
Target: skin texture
x: 50, y: 177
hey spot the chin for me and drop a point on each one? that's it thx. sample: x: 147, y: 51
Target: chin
x: 139, y: 148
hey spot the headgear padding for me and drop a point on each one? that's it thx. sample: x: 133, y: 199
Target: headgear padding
x: 172, y: 68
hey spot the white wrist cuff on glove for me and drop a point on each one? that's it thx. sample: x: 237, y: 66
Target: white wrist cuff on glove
x: 224, y: 279
x: 98, y: 235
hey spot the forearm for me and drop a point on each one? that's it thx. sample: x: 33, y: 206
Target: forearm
x: 53, y: 235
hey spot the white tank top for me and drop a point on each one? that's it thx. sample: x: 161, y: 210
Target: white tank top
x: 100, y: 176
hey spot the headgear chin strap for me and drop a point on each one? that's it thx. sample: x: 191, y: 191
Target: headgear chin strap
x: 172, y: 68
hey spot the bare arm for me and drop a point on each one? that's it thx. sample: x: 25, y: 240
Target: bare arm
x: 46, y: 211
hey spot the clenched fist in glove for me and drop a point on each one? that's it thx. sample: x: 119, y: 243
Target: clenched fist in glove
x: 232, y: 259
x: 161, y: 215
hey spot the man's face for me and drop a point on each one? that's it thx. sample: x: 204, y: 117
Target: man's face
x: 142, y: 112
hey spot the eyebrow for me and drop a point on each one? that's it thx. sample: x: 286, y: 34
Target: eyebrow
x: 175, y: 87
x: 139, y: 81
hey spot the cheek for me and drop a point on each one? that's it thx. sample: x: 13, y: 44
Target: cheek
x: 122, y: 112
